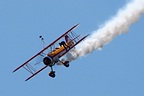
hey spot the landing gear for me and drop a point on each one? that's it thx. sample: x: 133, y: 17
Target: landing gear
x: 52, y: 74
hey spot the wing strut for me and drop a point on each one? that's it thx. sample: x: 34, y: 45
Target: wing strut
x: 36, y: 73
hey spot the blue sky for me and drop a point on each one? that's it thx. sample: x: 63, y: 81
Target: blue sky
x: 117, y: 70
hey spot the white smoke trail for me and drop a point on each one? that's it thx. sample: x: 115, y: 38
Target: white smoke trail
x: 119, y: 24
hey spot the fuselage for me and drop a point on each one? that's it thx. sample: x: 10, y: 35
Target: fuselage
x: 53, y: 56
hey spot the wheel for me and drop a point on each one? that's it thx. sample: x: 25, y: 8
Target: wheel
x: 66, y: 63
x: 52, y: 74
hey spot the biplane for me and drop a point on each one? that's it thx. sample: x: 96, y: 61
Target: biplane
x: 65, y: 43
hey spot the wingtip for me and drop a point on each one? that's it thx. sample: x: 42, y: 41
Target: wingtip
x: 78, y: 24
x: 87, y: 35
x: 27, y: 79
x: 13, y: 71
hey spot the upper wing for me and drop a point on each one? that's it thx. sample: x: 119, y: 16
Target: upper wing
x: 46, y: 48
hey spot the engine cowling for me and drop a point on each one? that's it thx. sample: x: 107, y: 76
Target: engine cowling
x: 47, y: 61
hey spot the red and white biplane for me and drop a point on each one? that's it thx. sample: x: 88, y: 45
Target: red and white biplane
x: 64, y: 43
